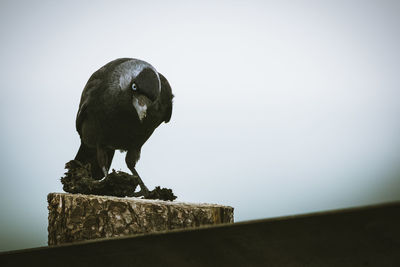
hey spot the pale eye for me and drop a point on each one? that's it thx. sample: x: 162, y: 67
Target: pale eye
x: 134, y: 87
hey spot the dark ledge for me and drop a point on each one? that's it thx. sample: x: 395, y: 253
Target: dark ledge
x: 368, y: 236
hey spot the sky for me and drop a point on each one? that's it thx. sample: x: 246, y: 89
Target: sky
x: 281, y: 107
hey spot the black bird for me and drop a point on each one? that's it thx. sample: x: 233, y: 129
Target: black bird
x: 121, y: 105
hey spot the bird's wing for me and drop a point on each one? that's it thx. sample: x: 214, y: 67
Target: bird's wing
x: 85, y: 100
x: 93, y: 84
x: 79, y: 118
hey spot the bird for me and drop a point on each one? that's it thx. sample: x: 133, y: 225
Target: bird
x: 120, y: 107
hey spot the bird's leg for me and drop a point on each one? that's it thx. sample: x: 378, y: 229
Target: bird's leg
x: 132, y: 156
x: 144, y: 191
x: 102, y: 159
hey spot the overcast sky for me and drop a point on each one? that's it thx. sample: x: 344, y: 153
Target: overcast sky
x: 281, y: 107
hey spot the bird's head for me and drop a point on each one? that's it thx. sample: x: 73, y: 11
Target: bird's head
x: 139, y: 81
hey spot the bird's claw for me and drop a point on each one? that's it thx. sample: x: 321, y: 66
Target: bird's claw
x: 144, y: 192
x: 139, y: 194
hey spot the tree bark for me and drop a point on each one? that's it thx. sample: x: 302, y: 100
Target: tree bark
x: 76, y: 217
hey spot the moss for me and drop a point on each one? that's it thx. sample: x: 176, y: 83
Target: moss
x: 78, y: 180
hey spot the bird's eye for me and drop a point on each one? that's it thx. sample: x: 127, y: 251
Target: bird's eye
x: 134, y: 87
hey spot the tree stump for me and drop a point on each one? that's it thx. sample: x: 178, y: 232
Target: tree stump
x: 76, y: 217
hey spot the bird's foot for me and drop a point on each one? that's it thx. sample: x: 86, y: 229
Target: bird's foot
x: 105, y: 171
x: 144, y: 192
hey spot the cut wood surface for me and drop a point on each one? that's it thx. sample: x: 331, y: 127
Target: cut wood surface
x: 76, y: 217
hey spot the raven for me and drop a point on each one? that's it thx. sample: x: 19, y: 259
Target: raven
x: 121, y: 105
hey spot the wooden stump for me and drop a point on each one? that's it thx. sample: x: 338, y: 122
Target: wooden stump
x: 76, y: 217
